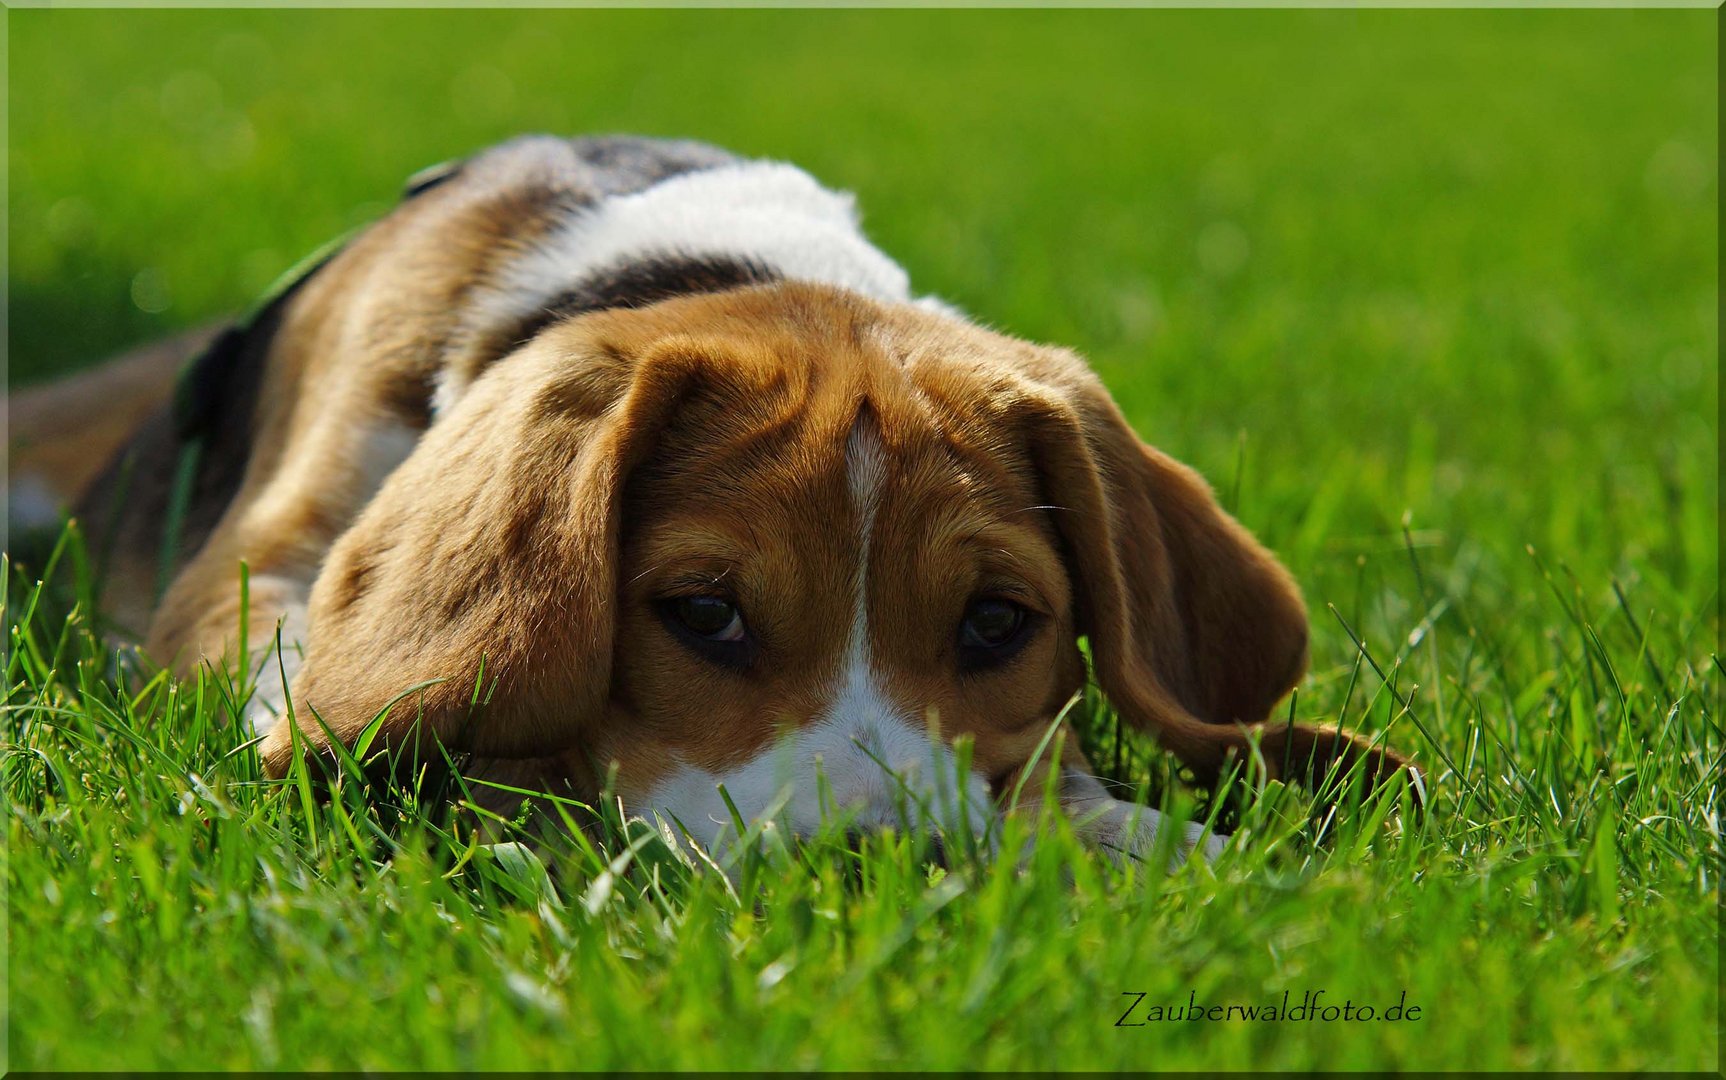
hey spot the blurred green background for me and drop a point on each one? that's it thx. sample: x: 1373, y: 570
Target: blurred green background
x: 1348, y: 263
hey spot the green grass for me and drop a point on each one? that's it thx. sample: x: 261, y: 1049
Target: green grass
x: 1429, y: 296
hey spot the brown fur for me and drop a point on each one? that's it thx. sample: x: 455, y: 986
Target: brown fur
x: 703, y: 438
x: 515, y: 558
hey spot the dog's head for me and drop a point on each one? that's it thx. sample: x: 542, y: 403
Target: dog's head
x: 750, y: 537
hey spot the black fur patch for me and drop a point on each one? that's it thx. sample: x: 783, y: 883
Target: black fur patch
x: 640, y: 282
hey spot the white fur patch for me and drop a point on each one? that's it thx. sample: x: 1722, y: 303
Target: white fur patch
x: 882, y: 769
x: 764, y: 212
x: 269, y: 699
x: 865, y: 468
x: 446, y: 388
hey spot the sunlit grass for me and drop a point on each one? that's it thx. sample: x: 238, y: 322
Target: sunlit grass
x: 1544, y: 911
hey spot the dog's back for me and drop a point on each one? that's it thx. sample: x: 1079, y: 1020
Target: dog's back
x: 108, y: 443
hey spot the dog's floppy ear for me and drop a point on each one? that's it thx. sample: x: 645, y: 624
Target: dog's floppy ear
x: 487, y: 562
x: 1195, y: 628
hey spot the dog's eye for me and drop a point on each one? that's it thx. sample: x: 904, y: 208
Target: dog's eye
x: 712, y: 617
x: 710, y: 626
x: 991, y: 632
x: 991, y: 623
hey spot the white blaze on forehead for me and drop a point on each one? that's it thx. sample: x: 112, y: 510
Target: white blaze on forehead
x: 871, y: 757
x: 865, y: 469
x: 860, y: 711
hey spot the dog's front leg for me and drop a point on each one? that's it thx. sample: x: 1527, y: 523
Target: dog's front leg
x: 1128, y: 830
x: 281, y: 525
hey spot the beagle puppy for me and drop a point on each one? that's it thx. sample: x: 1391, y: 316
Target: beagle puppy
x: 627, y: 454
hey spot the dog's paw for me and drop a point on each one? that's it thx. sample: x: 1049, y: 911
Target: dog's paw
x: 1129, y: 830
x: 260, y: 716
x: 1132, y: 831
x: 1210, y: 844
